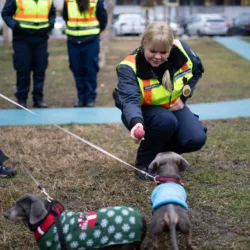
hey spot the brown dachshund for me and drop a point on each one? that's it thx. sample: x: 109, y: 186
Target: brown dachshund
x: 169, y: 199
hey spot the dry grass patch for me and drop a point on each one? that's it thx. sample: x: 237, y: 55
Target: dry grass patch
x: 226, y: 74
x: 83, y: 178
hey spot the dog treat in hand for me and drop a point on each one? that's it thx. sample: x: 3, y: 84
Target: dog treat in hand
x: 139, y: 133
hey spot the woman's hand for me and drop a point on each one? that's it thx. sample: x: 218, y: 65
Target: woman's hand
x: 178, y: 106
x: 137, y: 133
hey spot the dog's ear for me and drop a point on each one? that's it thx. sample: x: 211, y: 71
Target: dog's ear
x: 33, y: 207
x: 182, y: 163
x: 38, y: 211
x: 153, y: 167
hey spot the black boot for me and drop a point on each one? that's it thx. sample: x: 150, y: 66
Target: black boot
x: 40, y: 104
x: 21, y: 102
x: 90, y: 104
x: 5, y: 171
x: 142, y: 176
x: 79, y: 104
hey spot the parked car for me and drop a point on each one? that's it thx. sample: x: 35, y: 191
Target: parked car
x: 59, y: 27
x: 129, y: 24
x: 207, y: 24
x: 240, y: 26
x: 228, y: 19
x: 176, y: 27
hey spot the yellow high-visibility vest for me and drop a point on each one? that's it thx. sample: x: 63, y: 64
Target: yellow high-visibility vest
x: 153, y: 92
x: 33, y: 15
x: 82, y: 24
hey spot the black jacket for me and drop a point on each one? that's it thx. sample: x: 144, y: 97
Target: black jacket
x: 101, y: 15
x: 127, y: 97
x: 9, y: 11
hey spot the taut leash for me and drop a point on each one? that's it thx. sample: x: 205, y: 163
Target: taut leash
x: 79, y: 138
x: 42, y: 189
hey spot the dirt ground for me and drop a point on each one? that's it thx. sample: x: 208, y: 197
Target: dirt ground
x: 84, y: 179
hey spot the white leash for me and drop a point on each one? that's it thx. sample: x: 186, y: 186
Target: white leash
x: 81, y: 139
x: 42, y: 189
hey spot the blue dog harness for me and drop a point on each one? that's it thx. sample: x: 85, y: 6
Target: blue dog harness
x: 169, y: 192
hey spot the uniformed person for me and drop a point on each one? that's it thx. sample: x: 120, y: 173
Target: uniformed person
x: 85, y: 19
x: 31, y: 21
x: 154, y: 83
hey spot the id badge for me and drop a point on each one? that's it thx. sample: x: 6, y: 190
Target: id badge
x: 186, y: 91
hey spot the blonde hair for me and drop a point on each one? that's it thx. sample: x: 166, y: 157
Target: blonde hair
x: 160, y: 35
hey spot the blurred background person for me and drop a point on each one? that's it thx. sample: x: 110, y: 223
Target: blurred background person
x: 85, y: 21
x: 31, y: 22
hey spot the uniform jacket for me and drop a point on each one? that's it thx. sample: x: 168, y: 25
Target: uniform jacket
x: 93, y: 230
x: 169, y: 193
x: 128, y: 96
x: 8, y: 12
x: 102, y: 17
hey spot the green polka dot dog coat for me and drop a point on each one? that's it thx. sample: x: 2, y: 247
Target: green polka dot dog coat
x: 93, y: 230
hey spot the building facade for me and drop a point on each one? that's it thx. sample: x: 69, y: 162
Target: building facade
x: 191, y: 2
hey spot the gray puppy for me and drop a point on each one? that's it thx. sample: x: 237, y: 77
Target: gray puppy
x: 169, y: 199
x: 55, y: 228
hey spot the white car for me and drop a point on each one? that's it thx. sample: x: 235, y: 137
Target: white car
x: 178, y: 30
x: 176, y: 27
x: 129, y: 24
x: 207, y: 24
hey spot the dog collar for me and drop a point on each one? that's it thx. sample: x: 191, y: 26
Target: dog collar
x: 163, y: 179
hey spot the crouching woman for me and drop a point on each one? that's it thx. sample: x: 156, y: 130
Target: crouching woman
x: 154, y: 83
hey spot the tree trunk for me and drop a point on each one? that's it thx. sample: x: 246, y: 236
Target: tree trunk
x: 106, y: 34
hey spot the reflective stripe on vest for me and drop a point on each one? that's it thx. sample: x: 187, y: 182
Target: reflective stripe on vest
x: 33, y: 15
x: 82, y: 24
x: 153, y: 92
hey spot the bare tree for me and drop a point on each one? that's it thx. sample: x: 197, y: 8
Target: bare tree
x: 106, y: 34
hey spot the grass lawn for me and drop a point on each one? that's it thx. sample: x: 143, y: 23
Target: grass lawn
x: 83, y: 179
x: 247, y: 39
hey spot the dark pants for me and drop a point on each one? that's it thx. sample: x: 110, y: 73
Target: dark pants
x: 180, y: 131
x: 83, y: 62
x: 30, y: 56
x: 3, y: 157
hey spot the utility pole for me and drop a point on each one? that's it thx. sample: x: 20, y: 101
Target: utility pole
x: 7, y: 32
x: 177, y: 11
x: 106, y: 34
x: 165, y: 9
x: 171, y: 3
x: 147, y: 5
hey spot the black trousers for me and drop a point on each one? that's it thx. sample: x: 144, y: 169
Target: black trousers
x: 30, y: 56
x: 3, y: 157
x: 83, y: 62
x: 179, y: 131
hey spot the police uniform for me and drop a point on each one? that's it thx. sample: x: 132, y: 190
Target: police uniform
x: 31, y: 21
x: 143, y: 98
x: 83, y: 32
